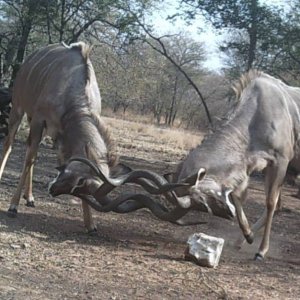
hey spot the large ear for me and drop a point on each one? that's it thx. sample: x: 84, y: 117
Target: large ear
x: 119, y: 170
x: 226, y: 193
x: 201, y: 174
x: 196, y: 178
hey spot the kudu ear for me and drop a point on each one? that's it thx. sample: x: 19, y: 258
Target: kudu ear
x: 226, y: 192
x: 196, y: 178
x: 119, y: 170
x: 201, y: 174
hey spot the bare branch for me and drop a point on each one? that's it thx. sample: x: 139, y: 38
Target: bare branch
x: 164, y: 52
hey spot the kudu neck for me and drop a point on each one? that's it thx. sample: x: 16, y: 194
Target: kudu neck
x: 81, y: 137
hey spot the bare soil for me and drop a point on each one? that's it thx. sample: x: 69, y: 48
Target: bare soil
x: 45, y: 252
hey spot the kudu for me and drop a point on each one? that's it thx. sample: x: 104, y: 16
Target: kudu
x: 57, y: 89
x: 263, y: 133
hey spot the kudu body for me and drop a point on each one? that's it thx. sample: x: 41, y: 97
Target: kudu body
x: 262, y: 134
x: 57, y: 89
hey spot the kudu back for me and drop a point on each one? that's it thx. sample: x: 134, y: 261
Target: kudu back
x: 57, y: 89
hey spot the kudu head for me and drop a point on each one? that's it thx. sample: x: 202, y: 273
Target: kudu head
x: 81, y: 176
x: 206, y: 191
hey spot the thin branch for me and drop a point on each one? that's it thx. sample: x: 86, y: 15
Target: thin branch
x: 164, y: 52
x: 81, y: 30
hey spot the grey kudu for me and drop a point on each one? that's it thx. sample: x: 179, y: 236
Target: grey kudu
x: 262, y: 133
x: 57, y: 89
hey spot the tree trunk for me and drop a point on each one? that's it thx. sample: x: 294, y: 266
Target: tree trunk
x: 166, y: 118
x: 21, y: 48
x: 173, y: 102
x: 116, y: 107
x: 62, y: 20
x: 252, y: 35
x: 1, y: 68
x: 48, y: 23
x: 173, y: 118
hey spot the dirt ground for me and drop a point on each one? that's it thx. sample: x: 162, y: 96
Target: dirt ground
x: 46, y: 254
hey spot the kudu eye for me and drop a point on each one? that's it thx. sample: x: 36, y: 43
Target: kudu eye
x: 80, y: 181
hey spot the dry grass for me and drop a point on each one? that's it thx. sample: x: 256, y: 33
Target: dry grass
x: 181, y: 139
x: 148, y: 142
x: 129, y: 116
x: 166, y: 139
x: 173, y: 139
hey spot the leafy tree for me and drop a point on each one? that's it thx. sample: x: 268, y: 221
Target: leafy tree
x: 252, y: 27
x: 20, y: 17
x: 44, y: 21
x: 285, y: 56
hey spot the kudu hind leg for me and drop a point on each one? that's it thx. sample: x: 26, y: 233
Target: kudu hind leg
x: 34, y: 138
x: 260, y: 223
x: 274, y: 179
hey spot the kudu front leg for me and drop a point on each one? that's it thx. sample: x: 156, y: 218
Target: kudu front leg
x: 14, y: 123
x: 28, y: 196
x: 88, y: 218
x: 242, y: 219
x: 248, y: 233
x: 254, y: 229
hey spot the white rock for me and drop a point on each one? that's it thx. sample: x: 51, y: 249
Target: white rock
x: 205, y: 250
x: 15, y: 246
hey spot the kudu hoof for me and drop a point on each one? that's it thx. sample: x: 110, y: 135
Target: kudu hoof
x: 12, y: 212
x: 30, y: 204
x: 29, y: 201
x: 249, y: 238
x: 258, y: 257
